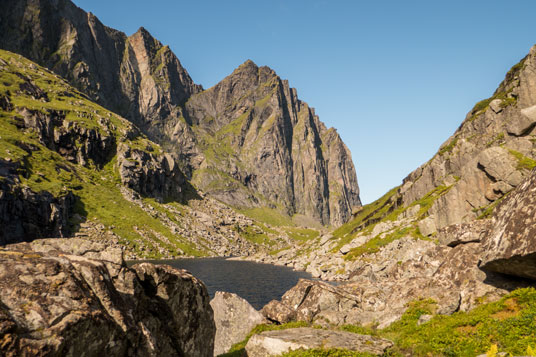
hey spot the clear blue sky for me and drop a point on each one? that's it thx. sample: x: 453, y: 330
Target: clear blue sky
x: 396, y: 78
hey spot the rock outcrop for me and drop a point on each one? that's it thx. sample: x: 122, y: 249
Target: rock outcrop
x: 74, y: 297
x: 150, y: 174
x: 489, y: 155
x: 482, y: 259
x: 234, y: 318
x: 26, y: 215
x: 274, y: 343
x: 249, y: 141
x: 510, y: 246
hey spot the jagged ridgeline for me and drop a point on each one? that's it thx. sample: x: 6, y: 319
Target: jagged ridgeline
x: 69, y: 166
x: 248, y: 141
x: 489, y: 155
x: 64, y: 157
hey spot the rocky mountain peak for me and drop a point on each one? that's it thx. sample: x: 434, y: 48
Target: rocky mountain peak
x: 248, y: 140
x: 259, y: 145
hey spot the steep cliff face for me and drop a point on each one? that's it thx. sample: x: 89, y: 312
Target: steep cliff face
x: 135, y: 76
x: 489, y: 154
x: 249, y: 141
x: 254, y: 143
x: 70, y: 167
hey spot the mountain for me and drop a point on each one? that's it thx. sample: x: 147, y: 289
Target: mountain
x: 258, y: 144
x: 69, y: 167
x: 248, y: 141
x: 456, y: 237
x: 489, y: 155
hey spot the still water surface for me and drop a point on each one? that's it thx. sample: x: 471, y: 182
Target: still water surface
x: 255, y: 282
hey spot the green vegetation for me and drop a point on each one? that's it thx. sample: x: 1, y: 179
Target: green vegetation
x: 509, y: 323
x: 428, y: 200
x: 302, y: 234
x: 487, y: 211
x: 507, y: 99
x: 523, y: 162
x: 374, y: 245
x: 448, y: 148
x: 97, y: 189
x: 375, y: 210
x: 255, y: 235
x: 333, y: 352
x: 380, y: 210
x: 499, y: 139
x: 238, y: 349
x: 267, y: 215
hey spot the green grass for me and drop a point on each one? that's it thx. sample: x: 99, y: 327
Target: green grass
x: 448, y: 148
x: 267, y: 215
x: 332, y: 352
x: 302, y: 234
x: 502, y: 93
x: 523, y: 162
x: 97, y: 188
x: 238, y: 349
x: 375, y: 210
x: 375, y: 244
x: 428, y: 200
x: 509, y: 323
x: 253, y: 235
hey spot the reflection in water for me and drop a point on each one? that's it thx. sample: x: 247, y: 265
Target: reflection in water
x: 257, y: 283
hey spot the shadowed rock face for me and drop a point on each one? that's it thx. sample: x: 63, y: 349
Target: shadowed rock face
x: 74, y: 297
x: 249, y: 141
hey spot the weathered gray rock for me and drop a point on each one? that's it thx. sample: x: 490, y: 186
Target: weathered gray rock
x: 308, y: 299
x: 77, y: 143
x: 234, y: 318
x: 524, y: 123
x: 463, y: 233
x: 273, y: 343
x: 275, y: 148
x: 427, y: 226
x: 476, y: 164
x: 500, y: 165
x: 510, y: 247
x: 54, y: 302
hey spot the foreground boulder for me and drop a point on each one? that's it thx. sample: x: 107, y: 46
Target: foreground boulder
x: 71, y: 297
x: 234, y: 318
x: 273, y: 343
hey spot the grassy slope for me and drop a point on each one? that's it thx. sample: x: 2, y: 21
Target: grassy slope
x: 98, y: 190
x: 507, y: 325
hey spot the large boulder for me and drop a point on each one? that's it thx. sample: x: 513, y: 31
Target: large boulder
x: 53, y: 302
x: 234, y: 318
x: 273, y: 343
x: 510, y: 247
x: 312, y: 301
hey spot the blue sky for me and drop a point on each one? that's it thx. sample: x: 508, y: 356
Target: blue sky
x: 396, y: 78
